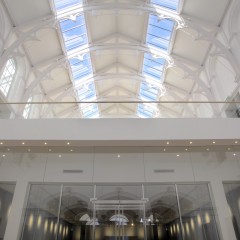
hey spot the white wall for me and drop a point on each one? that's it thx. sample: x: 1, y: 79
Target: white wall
x: 106, y: 132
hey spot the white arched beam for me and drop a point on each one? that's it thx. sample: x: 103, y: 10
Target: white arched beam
x: 46, y: 22
x: 162, y: 12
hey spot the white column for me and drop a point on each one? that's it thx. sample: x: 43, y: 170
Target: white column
x: 224, y: 216
x: 14, y: 225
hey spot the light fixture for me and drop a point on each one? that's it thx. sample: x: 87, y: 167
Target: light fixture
x: 49, y: 149
x: 207, y: 149
x: 23, y: 143
x: 119, y: 156
x: 186, y: 149
x: 1, y: 143
x: 213, y: 142
x: 45, y: 143
x: 190, y: 142
x: 164, y: 149
x: 8, y: 149
x: 71, y: 150
x: 60, y: 155
x: 178, y: 155
x: 236, y: 142
x: 68, y: 143
x: 29, y: 150
x: 229, y: 149
x: 234, y: 154
x: 4, y: 155
x: 168, y: 143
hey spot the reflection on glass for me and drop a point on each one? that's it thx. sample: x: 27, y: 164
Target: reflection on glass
x: 232, y: 191
x: 197, y: 212
x: 42, y: 209
x: 162, y: 213
x: 76, y: 213
x: 127, y: 212
x: 6, y: 196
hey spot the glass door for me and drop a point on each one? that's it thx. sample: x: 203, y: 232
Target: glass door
x: 119, y: 220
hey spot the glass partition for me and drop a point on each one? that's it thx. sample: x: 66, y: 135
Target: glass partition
x: 232, y: 191
x: 41, y: 218
x: 162, y: 212
x: 6, y: 196
x: 198, y: 218
x: 114, y: 212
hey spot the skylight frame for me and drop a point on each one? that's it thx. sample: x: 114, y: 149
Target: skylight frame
x: 156, y: 27
x: 73, y: 29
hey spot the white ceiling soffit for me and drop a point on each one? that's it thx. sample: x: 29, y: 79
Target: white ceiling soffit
x: 117, y: 39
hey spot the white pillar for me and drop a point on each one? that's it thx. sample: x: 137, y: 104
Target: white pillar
x: 14, y: 225
x: 224, y: 216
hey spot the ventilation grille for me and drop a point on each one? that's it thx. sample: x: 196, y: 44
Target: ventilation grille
x: 72, y: 171
x: 164, y: 170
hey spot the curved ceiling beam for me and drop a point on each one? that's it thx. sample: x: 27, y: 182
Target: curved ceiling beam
x: 116, y: 7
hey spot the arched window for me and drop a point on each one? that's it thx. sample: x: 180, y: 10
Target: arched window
x: 27, y: 108
x: 7, y: 76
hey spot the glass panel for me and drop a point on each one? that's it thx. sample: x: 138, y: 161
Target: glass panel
x: 41, y: 219
x: 76, y: 213
x: 64, y: 4
x: 171, y: 4
x: 159, y: 32
x: 119, y: 213
x: 162, y: 214
x: 7, y: 76
x: 6, y: 196
x: 120, y: 192
x: 119, y: 222
x: 232, y: 191
x: 198, y: 217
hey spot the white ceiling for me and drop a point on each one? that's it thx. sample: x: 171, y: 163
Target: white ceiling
x: 118, y: 65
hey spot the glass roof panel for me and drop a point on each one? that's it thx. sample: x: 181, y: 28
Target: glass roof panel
x: 75, y: 37
x: 148, y: 92
x: 159, y: 32
x: 170, y: 4
x: 81, y: 68
x: 64, y: 4
x: 153, y: 67
x: 159, y: 35
x: 144, y: 111
x: 90, y: 111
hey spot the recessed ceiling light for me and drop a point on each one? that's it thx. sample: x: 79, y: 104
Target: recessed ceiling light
x: 186, y: 149
x: 49, y: 149
x: 68, y: 143
x: 234, y: 154
x: 119, y: 156
x: 29, y: 150
x: 71, y: 150
x: 1, y: 143
x: 45, y: 143
x: 164, y: 149
x: 207, y: 149
x: 190, y: 142
x: 23, y: 143
x: 4, y: 155
x: 236, y: 142
x: 60, y: 155
x: 178, y: 155
x: 213, y: 142
x: 8, y: 149
x: 168, y: 143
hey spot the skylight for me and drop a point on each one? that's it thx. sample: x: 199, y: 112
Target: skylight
x: 159, y: 35
x: 75, y: 38
x: 170, y: 4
